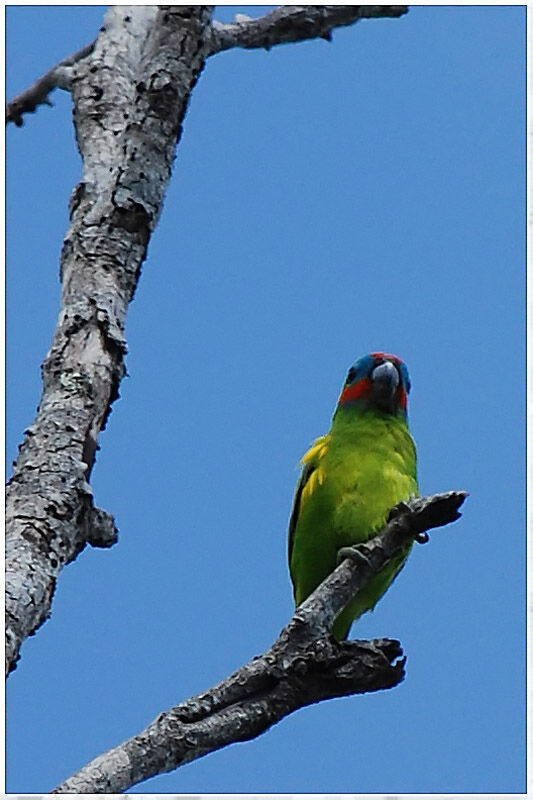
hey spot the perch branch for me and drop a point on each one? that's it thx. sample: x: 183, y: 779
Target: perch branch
x: 291, y: 24
x: 304, y: 666
x: 37, y: 95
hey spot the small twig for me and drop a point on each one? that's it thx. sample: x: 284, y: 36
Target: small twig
x: 305, y: 665
x: 37, y: 95
x: 291, y: 24
x: 102, y: 528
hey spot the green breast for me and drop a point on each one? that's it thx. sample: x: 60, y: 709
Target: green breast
x: 370, y: 466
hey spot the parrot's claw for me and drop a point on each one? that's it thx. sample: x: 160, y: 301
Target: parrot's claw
x: 400, y: 508
x: 354, y: 553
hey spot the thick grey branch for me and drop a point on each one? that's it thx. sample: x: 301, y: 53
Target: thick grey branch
x: 305, y: 665
x: 37, y: 94
x: 130, y: 96
x: 292, y: 24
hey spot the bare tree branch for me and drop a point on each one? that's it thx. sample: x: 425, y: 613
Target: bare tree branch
x: 304, y: 666
x: 130, y: 96
x: 37, y: 95
x: 291, y: 24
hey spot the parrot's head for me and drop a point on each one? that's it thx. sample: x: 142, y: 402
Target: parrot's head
x: 378, y: 382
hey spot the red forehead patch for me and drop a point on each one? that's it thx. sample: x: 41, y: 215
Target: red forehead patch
x: 387, y: 357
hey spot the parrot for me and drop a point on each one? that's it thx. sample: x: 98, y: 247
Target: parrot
x: 350, y: 480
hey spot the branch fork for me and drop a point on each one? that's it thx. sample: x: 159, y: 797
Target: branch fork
x: 282, y: 25
x: 304, y: 666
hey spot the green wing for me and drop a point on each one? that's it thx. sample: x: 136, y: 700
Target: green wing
x: 311, y: 475
x: 307, y: 470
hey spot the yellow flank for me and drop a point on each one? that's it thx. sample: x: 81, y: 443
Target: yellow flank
x: 319, y: 448
x: 317, y: 477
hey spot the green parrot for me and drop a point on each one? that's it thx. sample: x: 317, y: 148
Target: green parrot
x: 351, y: 478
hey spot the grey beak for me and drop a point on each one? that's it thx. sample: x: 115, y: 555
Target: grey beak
x: 385, y: 378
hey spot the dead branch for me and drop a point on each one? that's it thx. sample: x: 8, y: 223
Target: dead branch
x: 37, y: 94
x: 130, y: 96
x: 291, y: 24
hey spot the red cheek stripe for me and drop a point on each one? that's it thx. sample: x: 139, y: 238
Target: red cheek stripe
x: 401, y: 395
x: 355, y: 391
x: 363, y: 388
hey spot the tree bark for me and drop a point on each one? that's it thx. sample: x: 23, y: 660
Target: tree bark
x: 130, y: 91
x: 130, y: 97
x: 305, y: 665
x: 291, y: 24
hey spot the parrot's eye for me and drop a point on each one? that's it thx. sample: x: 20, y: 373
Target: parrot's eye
x: 351, y: 375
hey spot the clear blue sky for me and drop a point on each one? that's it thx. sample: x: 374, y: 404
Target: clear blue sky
x: 327, y: 200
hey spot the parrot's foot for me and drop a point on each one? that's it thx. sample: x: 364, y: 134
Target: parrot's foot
x: 404, y: 508
x: 355, y: 553
x: 400, y: 508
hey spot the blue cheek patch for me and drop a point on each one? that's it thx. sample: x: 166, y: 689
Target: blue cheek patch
x: 361, y: 368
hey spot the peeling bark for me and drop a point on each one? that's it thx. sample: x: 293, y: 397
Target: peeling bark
x: 304, y: 666
x: 130, y: 97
